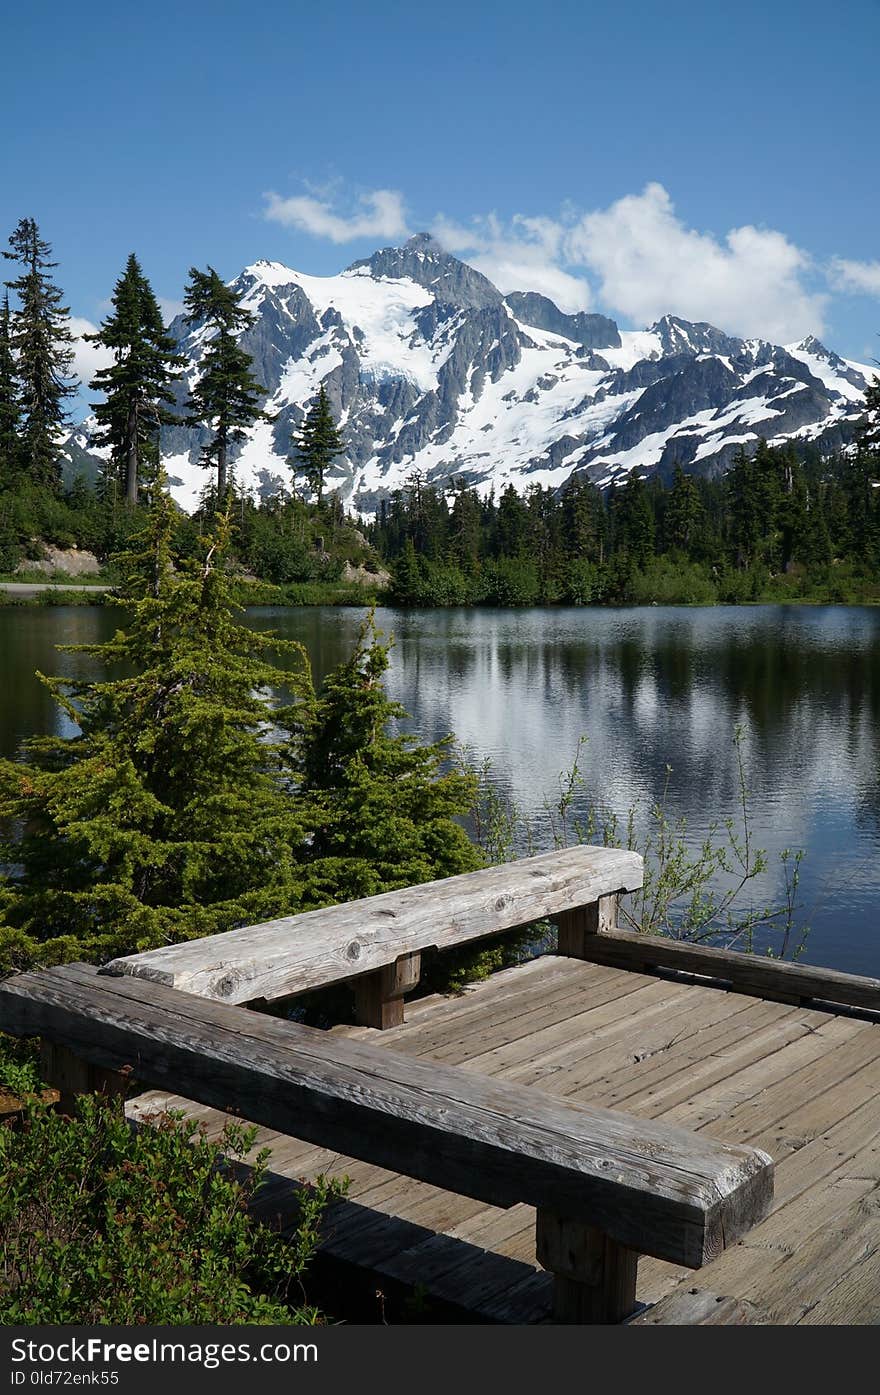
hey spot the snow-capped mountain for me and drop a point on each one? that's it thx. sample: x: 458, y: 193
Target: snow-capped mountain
x: 429, y: 367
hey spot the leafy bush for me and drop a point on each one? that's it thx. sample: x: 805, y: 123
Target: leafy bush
x: 512, y: 581
x: 19, y: 1067
x: 102, y: 1223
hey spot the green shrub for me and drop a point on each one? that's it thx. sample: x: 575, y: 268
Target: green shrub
x: 102, y: 1223
x: 511, y: 581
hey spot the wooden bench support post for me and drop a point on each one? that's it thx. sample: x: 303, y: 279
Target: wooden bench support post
x: 71, y: 1076
x: 594, y: 1276
x: 378, y: 997
x: 578, y: 926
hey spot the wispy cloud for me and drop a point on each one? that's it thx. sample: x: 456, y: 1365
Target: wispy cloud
x: 378, y: 213
x: 525, y: 255
x: 87, y: 358
x: 861, y: 277
x: 170, y: 308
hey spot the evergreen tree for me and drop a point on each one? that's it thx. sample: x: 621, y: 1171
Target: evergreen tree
x: 317, y: 445
x: 10, y: 409
x: 385, y: 811
x: 465, y: 527
x: 869, y: 436
x: 512, y: 524
x: 137, y: 386
x: 685, y: 515
x: 169, y: 815
x: 633, y: 520
x: 225, y: 398
x: 583, y: 520
x: 744, y: 504
x: 408, y: 584
x: 40, y: 339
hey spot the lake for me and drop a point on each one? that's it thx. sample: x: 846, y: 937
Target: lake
x: 650, y: 688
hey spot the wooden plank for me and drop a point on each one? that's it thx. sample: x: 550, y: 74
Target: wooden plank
x: 301, y: 952
x: 589, y: 1054
x: 657, y: 1190
x: 750, y: 1096
x: 498, y: 1035
x: 512, y: 1016
x: 692, y: 1307
x: 711, y: 1055
x: 750, y: 973
x: 822, y: 1082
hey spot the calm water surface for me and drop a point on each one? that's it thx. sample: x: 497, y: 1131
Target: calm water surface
x: 650, y: 688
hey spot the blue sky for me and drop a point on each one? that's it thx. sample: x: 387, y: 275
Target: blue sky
x: 713, y: 161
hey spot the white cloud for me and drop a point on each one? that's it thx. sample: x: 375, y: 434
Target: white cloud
x: 87, y: 358
x: 650, y: 264
x: 379, y: 213
x: 525, y: 256
x: 642, y: 258
x: 860, y: 277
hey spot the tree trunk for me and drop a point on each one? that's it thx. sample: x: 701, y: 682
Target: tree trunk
x: 221, y: 468
x: 131, y: 457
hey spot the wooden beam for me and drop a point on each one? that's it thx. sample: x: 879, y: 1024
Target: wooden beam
x: 576, y: 927
x: 594, y: 1276
x: 378, y: 997
x: 652, y: 1188
x: 71, y: 1075
x: 776, y: 979
x: 302, y: 952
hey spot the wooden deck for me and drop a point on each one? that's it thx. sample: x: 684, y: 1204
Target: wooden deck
x: 800, y: 1083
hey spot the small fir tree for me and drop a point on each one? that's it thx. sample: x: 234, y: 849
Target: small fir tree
x: 385, y: 806
x: 137, y: 385
x: 317, y: 445
x: 226, y: 397
x: 41, y: 340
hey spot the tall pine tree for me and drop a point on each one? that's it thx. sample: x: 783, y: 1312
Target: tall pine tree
x: 317, y: 445
x: 10, y: 409
x: 41, y: 340
x: 226, y: 396
x: 137, y: 385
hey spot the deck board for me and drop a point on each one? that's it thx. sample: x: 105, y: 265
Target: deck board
x: 804, y: 1084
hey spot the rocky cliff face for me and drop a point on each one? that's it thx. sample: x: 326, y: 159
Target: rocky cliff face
x: 428, y: 367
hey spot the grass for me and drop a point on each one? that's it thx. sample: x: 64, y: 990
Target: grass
x: 56, y: 578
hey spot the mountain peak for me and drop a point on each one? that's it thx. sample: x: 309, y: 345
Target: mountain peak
x: 679, y: 336
x: 424, y: 242
x: 422, y: 259
x: 814, y: 346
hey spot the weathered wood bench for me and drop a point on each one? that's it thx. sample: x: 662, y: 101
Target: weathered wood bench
x: 377, y: 942
x: 607, y: 1187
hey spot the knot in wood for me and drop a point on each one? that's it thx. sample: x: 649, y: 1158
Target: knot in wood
x: 225, y: 986
x: 502, y: 902
x: 353, y: 951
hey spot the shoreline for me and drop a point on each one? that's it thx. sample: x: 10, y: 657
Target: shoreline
x: 57, y: 594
